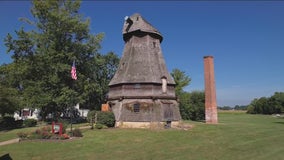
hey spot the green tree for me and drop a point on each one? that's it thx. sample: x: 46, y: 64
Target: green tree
x: 267, y: 105
x: 191, y: 104
x: 103, y: 71
x: 197, y: 105
x: 242, y: 107
x: 181, y: 80
x: 43, y: 58
x: 225, y: 108
x: 9, y: 96
x: 252, y: 106
x: 8, y: 100
x: 277, y: 102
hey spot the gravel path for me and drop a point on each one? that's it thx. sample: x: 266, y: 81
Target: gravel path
x: 16, y: 140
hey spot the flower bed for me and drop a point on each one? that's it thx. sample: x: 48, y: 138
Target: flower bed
x: 45, y: 133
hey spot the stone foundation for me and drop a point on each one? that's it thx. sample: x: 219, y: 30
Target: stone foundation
x: 147, y: 125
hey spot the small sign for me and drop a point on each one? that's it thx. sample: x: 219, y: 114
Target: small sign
x: 57, y: 128
x: 105, y: 108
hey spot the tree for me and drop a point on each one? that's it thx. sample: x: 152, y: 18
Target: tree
x: 8, y: 100
x: 103, y: 72
x: 267, y: 105
x: 9, y: 97
x: 191, y: 104
x: 181, y: 80
x: 225, y: 108
x: 43, y: 57
x: 242, y: 107
x: 252, y: 106
x: 277, y: 102
x: 197, y: 105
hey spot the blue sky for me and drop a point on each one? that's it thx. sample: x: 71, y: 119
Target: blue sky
x: 245, y: 38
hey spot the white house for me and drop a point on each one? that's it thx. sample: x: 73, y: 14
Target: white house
x: 28, y: 113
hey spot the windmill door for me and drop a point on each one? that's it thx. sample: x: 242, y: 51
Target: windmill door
x: 168, y: 112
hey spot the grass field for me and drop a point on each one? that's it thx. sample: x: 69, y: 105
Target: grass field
x: 238, y: 136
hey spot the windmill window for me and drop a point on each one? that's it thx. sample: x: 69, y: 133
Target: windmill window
x: 137, y: 86
x: 136, y: 107
x: 164, y: 84
x: 154, y: 44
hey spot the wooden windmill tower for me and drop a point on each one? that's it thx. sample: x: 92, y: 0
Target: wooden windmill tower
x: 142, y: 92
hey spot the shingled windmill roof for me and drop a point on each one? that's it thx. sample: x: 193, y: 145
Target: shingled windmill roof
x: 136, y: 23
x: 141, y: 62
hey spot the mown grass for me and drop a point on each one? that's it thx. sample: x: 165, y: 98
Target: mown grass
x: 11, y: 134
x: 238, y: 136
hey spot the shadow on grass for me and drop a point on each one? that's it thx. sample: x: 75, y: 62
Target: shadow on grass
x: 279, y: 122
x: 6, y: 157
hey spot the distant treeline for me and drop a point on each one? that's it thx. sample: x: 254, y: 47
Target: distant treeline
x: 237, y: 107
x: 267, y: 105
x: 263, y: 105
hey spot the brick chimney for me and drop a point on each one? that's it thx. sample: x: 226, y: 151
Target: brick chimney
x: 211, y: 115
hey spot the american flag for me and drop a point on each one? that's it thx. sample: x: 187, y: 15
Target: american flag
x: 73, y: 71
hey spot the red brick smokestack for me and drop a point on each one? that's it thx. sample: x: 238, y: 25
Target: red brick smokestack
x: 211, y: 115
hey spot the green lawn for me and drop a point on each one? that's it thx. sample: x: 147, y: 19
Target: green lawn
x: 237, y: 136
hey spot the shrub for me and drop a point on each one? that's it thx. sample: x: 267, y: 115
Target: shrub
x: 91, y: 116
x: 19, y: 123
x: 77, y: 133
x: 106, y: 118
x: 22, y: 135
x: 64, y: 136
x: 30, y: 122
x: 99, y: 126
x: 192, y: 105
x: 42, y: 133
x: 7, y: 122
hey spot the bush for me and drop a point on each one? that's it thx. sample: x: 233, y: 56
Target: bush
x: 192, y: 105
x: 22, y: 135
x: 99, y: 126
x: 42, y: 133
x: 19, y: 123
x: 30, y: 122
x: 77, y: 133
x: 106, y: 118
x: 64, y: 136
x: 91, y: 116
x: 7, y: 122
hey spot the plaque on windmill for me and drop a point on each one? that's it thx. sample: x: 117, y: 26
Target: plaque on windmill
x: 142, y: 92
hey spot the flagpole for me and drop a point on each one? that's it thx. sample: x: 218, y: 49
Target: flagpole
x: 71, y: 110
x: 74, y: 78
